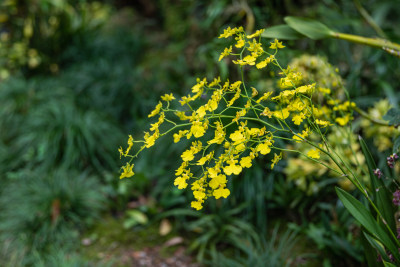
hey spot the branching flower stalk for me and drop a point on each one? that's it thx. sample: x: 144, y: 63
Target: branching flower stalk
x: 231, y: 125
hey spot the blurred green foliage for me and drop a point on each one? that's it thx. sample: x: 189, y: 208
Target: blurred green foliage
x: 35, y: 33
x: 42, y: 211
x: 76, y: 76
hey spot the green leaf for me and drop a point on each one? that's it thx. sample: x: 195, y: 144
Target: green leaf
x: 388, y: 264
x: 374, y: 248
x: 382, y: 197
x: 396, y: 145
x: 364, y: 217
x: 281, y: 32
x: 393, y: 116
x: 311, y: 28
x: 135, y: 217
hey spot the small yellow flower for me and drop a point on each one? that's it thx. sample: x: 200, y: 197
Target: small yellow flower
x: 187, y: 155
x: 322, y: 123
x: 282, y: 114
x: 276, y: 44
x: 197, y: 205
x: 240, y: 42
x: 168, y: 97
x: 156, y: 110
x: 256, y: 34
x: 262, y: 64
x: 218, y: 181
x: 297, y: 119
x: 276, y: 159
x: 245, y: 162
x: 197, y: 129
x: 201, y: 111
x: 227, y: 51
x: 228, y: 32
x: 215, y: 82
x: 264, y: 97
x: 343, y: 121
x: 264, y: 148
x: 127, y: 171
x: 221, y: 192
x: 199, y: 195
x: 250, y: 60
x: 200, y: 84
x: 150, y: 139
x: 180, y: 182
x: 130, y: 144
x: 254, y: 92
x: 314, y: 153
x: 232, y: 168
x: 121, y: 152
x: 237, y: 136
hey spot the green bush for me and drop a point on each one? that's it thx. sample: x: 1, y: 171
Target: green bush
x: 39, y: 211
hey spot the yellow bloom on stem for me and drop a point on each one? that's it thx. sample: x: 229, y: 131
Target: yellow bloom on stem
x: 232, y: 168
x: 180, y: 182
x: 282, y: 114
x: 127, y: 171
x: 254, y: 92
x: 197, y: 205
x: 150, y: 139
x: 276, y: 159
x: 250, y: 59
x: 314, y: 153
x: 178, y: 136
x: 168, y: 97
x: 306, y: 89
x: 221, y: 192
x: 227, y: 51
x: 240, y: 41
x: 267, y: 112
x: 201, y: 111
x: 213, y: 172
x: 262, y: 64
x: 322, y: 123
x: 264, y: 148
x: 197, y: 129
x: 215, y: 82
x: 228, y: 32
x: 156, y: 110
x: 276, y: 44
x: 199, y: 195
x: 343, y: 121
x: 121, y: 152
x: 245, y: 162
x: 264, y: 97
x: 200, y: 84
x: 206, y: 158
x: 297, y: 119
x: 256, y: 34
x: 130, y: 144
x: 219, y: 134
x: 188, y: 155
x: 265, y: 62
x: 218, y: 181
x: 237, y: 136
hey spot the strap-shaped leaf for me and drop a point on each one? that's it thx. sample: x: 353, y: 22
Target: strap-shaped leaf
x: 376, y: 248
x: 364, y: 217
x: 311, y: 28
x: 381, y: 194
x: 281, y: 32
x: 388, y: 264
x: 393, y: 116
x: 396, y: 145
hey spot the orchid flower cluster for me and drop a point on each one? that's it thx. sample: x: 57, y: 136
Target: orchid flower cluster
x: 231, y: 123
